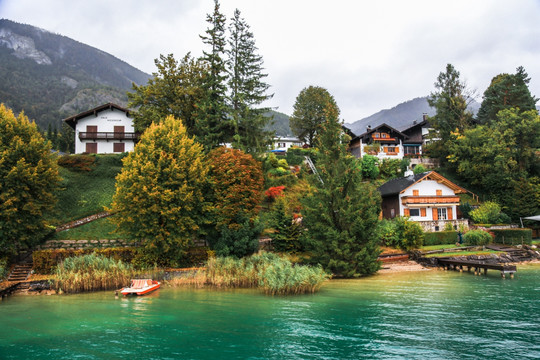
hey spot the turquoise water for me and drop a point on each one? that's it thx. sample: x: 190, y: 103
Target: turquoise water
x: 419, y: 315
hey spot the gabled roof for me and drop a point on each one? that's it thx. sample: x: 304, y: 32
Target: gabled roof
x: 368, y: 133
x: 72, y: 120
x: 397, y: 186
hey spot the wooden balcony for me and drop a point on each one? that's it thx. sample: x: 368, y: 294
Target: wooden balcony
x: 430, y: 200
x: 108, y: 136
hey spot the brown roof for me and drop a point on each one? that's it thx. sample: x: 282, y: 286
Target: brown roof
x: 72, y: 120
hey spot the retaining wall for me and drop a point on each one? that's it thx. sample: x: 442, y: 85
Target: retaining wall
x: 85, y: 244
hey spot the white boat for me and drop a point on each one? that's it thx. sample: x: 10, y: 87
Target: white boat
x: 141, y: 287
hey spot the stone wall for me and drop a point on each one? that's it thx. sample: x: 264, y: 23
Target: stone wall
x: 439, y: 225
x: 85, y: 244
x: 428, y: 163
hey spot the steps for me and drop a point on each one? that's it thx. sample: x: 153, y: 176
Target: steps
x: 20, y: 272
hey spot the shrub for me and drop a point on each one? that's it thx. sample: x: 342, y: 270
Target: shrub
x: 287, y: 231
x: 512, y: 236
x: 418, y: 169
x: 487, y: 213
x: 92, y: 272
x: 369, y: 167
x: 274, y: 192
x: 3, y: 268
x: 387, y: 233
x: 390, y: 168
x: 440, y: 238
x: 466, y: 209
x: 77, y: 162
x: 477, y: 237
x: 400, y: 233
x: 239, y: 240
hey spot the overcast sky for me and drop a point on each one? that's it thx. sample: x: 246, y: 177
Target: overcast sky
x: 370, y: 55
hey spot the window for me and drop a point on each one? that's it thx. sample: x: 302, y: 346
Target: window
x: 414, y: 212
x: 441, y: 213
x: 384, y: 135
x: 392, y: 213
x: 281, y: 145
x: 415, y: 193
x: 376, y: 135
x: 411, y: 150
x: 439, y: 192
x: 119, y: 147
x: 391, y: 149
x: 91, y: 148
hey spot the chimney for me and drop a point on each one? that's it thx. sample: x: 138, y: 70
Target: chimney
x: 424, y: 116
x: 368, y: 128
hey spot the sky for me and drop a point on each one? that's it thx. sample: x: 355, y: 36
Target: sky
x: 370, y: 55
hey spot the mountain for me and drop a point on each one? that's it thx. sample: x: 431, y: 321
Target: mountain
x: 280, y: 124
x: 401, y: 116
x: 51, y: 76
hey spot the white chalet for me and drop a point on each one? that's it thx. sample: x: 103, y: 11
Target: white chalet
x: 105, y: 129
x: 284, y: 143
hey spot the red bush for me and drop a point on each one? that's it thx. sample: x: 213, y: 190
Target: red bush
x: 274, y: 192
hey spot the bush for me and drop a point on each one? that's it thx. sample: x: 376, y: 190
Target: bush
x: 440, y: 238
x: 477, y: 237
x: 287, y: 231
x: 239, y: 240
x: 4, y: 267
x: 419, y: 169
x: 400, y: 233
x: 487, y: 213
x: 386, y: 231
x: 77, y: 162
x: 512, y: 236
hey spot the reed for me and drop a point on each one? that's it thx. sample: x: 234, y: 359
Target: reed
x: 275, y: 275
x: 190, y: 278
x: 92, y: 273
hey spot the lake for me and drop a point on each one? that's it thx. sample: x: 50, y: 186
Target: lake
x: 413, y: 315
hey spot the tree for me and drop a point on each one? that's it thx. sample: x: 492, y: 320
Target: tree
x: 174, y: 90
x: 159, y: 197
x: 212, y: 121
x: 236, y: 182
x: 341, y: 214
x: 450, y: 101
x: 28, y: 180
x: 310, y: 111
x: 506, y: 91
x: 247, y: 89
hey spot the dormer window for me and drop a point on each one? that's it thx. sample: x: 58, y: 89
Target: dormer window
x: 376, y: 135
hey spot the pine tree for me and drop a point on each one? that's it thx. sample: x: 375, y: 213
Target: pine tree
x: 247, y: 89
x: 212, y: 121
x: 159, y: 193
x: 506, y: 91
x: 342, y: 213
x: 28, y: 180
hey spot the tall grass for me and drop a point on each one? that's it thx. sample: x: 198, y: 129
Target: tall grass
x: 273, y: 274
x: 92, y: 273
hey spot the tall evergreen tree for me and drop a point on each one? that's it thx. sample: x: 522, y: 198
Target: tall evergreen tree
x: 450, y: 101
x: 247, y: 89
x: 342, y: 212
x: 212, y: 121
x: 506, y: 91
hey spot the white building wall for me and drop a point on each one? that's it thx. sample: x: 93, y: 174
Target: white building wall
x: 105, y: 121
x: 286, y: 143
x: 426, y: 188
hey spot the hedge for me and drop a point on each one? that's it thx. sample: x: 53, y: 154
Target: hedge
x: 512, y: 236
x: 440, y: 238
x: 45, y: 261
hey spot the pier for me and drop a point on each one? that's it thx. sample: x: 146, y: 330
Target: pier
x: 477, y: 266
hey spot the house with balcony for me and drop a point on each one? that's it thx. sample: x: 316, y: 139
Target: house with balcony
x: 428, y: 198
x: 106, y: 129
x: 382, y: 141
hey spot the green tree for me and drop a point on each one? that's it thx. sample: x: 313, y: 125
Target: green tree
x: 214, y: 127
x: 287, y: 231
x: 174, y: 90
x: 159, y: 197
x: 247, y: 89
x: 28, y: 180
x: 506, y: 91
x: 310, y: 112
x: 450, y: 102
x: 370, y: 170
x: 341, y: 213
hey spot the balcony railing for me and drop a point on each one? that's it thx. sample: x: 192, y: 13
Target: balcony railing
x: 108, y: 136
x: 430, y: 200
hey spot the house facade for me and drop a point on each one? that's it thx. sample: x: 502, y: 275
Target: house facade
x: 106, y: 129
x: 284, y: 143
x: 383, y: 141
x: 428, y: 198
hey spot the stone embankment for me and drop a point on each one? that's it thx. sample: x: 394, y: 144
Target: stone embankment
x: 85, y: 244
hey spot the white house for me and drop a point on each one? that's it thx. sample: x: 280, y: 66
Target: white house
x: 428, y: 198
x: 383, y: 141
x: 105, y: 129
x: 284, y: 143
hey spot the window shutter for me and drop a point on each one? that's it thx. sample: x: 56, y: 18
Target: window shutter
x: 435, y: 215
x: 385, y: 149
x: 423, y: 212
x: 416, y: 193
x: 406, y: 212
x: 397, y: 149
x: 449, y: 213
x: 439, y: 192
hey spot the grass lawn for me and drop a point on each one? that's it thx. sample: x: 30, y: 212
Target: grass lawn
x: 463, y: 253
x: 84, y: 193
x: 438, y: 247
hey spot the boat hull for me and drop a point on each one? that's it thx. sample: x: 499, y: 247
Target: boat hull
x: 140, y: 290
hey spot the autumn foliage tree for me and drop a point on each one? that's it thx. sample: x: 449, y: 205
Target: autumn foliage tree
x: 159, y: 193
x: 28, y: 180
x: 237, y: 183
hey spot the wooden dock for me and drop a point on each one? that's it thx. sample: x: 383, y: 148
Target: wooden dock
x: 477, y: 266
